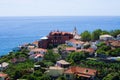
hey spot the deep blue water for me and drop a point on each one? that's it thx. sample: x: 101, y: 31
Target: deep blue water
x: 15, y: 31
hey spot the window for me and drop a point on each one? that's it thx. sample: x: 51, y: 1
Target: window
x: 76, y: 44
x: 67, y: 76
x: 55, y: 37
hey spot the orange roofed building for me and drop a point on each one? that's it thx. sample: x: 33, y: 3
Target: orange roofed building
x: 4, y: 76
x: 79, y: 72
x: 55, y: 38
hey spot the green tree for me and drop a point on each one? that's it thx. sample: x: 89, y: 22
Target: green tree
x: 95, y: 34
x: 31, y: 77
x: 101, y: 44
x: 50, y: 56
x: 17, y: 75
x: 105, y: 32
x: 114, y: 52
x: 61, y: 78
x: 37, y: 73
x: 112, y: 76
x: 103, y: 49
x: 45, y: 77
x: 76, y: 57
x: 115, y: 32
x: 86, y: 36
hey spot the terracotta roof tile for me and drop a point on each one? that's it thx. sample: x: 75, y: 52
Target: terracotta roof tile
x: 36, y: 43
x: 90, y: 50
x: 3, y: 75
x: 70, y: 49
x: 59, y: 32
x: 115, y: 43
x: 39, y: 49
x: 37, y: 55
x: 81, y: 70
x: 76, y: 41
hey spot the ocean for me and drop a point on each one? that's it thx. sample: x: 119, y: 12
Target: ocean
x: 15, y: 31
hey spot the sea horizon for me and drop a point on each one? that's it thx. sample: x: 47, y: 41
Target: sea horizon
x: 15, y: 31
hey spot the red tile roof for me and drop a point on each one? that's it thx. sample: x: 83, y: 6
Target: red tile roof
x: 90, y: 50
x: 37, y: 55
x: 3, y: 75
x: 85, y: 72
x: 70, y: 49
x: 76, y: 41
x: 115, y: 43
x: 59, y: 32
x: 39, y: 50
x: 35, y: 43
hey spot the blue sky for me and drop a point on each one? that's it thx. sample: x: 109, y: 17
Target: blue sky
x: 59, y: 7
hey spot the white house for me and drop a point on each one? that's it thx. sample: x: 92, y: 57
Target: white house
x: 106, y: 37
x: 75, y: 43
x: 63, y: 64
x: 118, y: 36
x: 3, y: 65
x: 93, y: 45
x: 30, y: 47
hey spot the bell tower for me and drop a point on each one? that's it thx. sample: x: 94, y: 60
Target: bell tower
x: 75, y: 31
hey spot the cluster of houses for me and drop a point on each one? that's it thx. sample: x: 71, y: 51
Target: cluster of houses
x: 3, y: 66
x: 74, y: 44
x: 70, y: 72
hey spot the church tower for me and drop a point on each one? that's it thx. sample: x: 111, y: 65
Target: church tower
x: 75, y: 34
x: 75, y: 31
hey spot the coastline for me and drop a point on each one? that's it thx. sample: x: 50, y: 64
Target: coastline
x: 20, y: 29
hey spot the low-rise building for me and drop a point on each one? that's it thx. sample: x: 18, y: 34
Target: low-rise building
x: 43, y: 42
x: 118, y: 37
x: 63, y: 64
x: 75, y: 43
x: 30, y: 47
x: 38, y: 51
x: 93, y: 45
x: 4, y: 65
x: 79, y: 72
x: 35, y: 43
x: 3, y: 76
x: 70, y: 49
x: 67, y: 51
x: 36, y: 57
x: 55, y: 71
x: 91, y: 51
x: 106, y: 37
x: 115, y: 44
